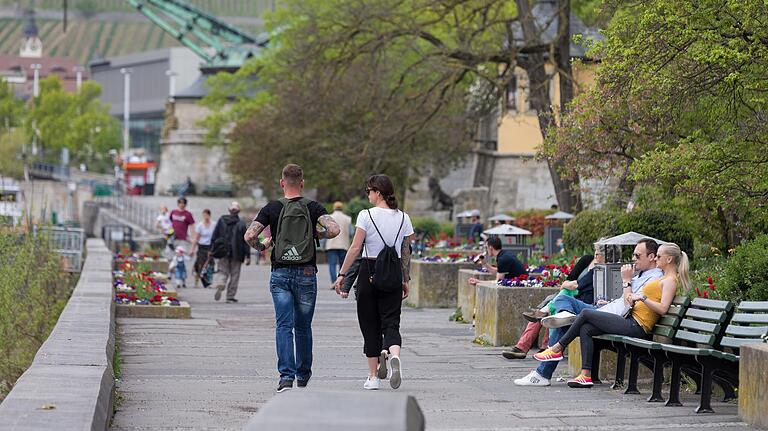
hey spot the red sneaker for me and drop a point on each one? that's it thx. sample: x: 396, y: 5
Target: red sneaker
x: 581, y: 381
x: 548, y: 355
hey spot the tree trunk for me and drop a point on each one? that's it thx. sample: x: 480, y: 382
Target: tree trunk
x: 568, y: 196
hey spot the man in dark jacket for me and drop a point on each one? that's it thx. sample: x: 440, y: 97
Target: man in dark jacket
x: 230, y: 229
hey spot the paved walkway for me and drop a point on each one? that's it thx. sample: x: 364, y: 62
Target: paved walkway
x: 215, y: 370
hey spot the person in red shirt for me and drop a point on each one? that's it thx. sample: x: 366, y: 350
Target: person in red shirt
x: 181, y: 219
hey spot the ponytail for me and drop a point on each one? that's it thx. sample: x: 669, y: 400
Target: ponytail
x: 391, y: 201
x: 682, y: 271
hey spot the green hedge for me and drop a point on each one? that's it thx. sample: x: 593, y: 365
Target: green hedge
x: 745, y: 276
x: 587, y: 227
x: 664, y: 225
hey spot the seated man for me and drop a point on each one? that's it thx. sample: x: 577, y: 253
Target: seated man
x: 644, y: 262
x: 507, y: 264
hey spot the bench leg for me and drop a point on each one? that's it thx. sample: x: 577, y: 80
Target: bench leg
x: 598, y: 348
x: 621, y: 357
x: 658, y: 379
x: 674, y: 386
x: 705, y: 401
x: 634, y: 366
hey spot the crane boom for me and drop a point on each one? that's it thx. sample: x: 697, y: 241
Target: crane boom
x: 222, y: 46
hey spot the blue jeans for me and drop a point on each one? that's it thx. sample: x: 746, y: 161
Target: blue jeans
x: 562, y: 303
x: 570, y: 304
x: 336, y: 258
x: 294, y: 292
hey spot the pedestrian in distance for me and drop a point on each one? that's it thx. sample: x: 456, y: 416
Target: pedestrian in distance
x: 230, y: 251
x: 383, y: 235
x: 201, y: 244
x: 178, y: 267
x: 292, y: 222
x: 336, y: 248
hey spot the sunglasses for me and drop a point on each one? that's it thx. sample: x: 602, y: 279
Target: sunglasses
x: 368, y: 190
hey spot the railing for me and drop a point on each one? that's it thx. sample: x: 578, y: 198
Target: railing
x: 130, y: 209
x: 68, y: 243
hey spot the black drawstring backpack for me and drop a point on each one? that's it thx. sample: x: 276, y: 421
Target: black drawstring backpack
x: 387, y: 274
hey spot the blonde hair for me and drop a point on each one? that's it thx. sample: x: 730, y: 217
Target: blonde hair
x: 681, y: 260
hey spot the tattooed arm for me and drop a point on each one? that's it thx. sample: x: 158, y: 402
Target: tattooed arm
x: 405, y: 258
x: 331, y: 227
x: 252, y: 236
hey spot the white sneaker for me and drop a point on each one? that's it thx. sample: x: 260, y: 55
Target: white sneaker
x: 532, y: 379
x: 395, y: 372
x: 558, y: 320
x: 383, y: 365
x: 372, y: 383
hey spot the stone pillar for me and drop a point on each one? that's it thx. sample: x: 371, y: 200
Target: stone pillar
x: 753, y: 381
x: 466, y: 292
x: 433, y: 284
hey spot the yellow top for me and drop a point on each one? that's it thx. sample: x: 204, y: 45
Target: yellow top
x: 644, y: 315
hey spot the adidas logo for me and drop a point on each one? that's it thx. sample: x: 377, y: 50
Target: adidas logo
x: 291, y: 254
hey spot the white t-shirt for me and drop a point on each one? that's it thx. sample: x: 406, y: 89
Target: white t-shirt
x: 165, y: 221
x: 205, y: 233
x: 388, y: 222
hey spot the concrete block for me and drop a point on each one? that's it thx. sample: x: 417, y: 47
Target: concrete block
x: 339, y: 411
x: 160, y: 265
x: 498, y: 317
x: 466, y: 292
x: 433, y: 284
x: 753, y: 381
x: 182, y: 311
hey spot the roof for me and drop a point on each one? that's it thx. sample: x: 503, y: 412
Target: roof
x: 197, y: 90
x: 64, y: 67
x: 507, y: 229
x: 560, y: 215
x: 545, y: 18
x: 501, y: 217
x: 629, y: 238
x: 469, y: 213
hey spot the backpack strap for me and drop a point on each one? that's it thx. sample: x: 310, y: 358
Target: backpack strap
x: 376, y: 227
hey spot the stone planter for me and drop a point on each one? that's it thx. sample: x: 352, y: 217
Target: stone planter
x: 753, y: 402
x: 498, y: 316
x: 433, y: 284
x: 160, y: 265
x: 169, y: 292
x: 182, y: 311
x: 466, y: 292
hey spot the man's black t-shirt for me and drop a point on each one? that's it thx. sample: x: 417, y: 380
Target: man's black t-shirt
x: 270, y: 214
x: 508, y: 264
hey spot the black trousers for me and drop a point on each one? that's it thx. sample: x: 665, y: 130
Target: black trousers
x: 378, y: 313
x: 590, y: 323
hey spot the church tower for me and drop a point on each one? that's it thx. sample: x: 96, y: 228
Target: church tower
x: 31, y: 46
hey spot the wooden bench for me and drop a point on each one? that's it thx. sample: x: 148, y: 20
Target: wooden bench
x: 218, y: 189
x: 705, y: 348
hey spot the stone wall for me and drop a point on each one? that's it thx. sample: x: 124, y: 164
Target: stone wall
x: 499, y: 318
x: 433, y: 284
x: 753, y: 381
x: 466, y: 292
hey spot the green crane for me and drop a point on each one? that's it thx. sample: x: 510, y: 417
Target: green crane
x: 223, y: 47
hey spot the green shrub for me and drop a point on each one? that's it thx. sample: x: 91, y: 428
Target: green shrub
x: 587, y: 227
x: 659, y: 224
x: 426, y: 224
x: 448, y: 229
x: 355, y: 205
x: 745, y: 276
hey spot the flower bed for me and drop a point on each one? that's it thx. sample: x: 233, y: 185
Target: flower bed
x: 141, y: 291
x: 147, y: 262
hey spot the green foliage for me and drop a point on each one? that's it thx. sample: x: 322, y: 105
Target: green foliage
x: 448, y: 228
x: 77, y: 121
x: 33, y: 291
x: 664, y: 225
x: 355, y: 205
x: 11, y: 108
x: 745, y: 276
x: 11, y: 144
x: 588, y: 226
x: 426, y: 224
x: 457, y: 316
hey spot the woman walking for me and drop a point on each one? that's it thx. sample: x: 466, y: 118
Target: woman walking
x: 201, y: 243
x: 647, y: 307
x: 384, y: 230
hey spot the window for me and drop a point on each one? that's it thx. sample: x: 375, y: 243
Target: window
x: 512, y: 94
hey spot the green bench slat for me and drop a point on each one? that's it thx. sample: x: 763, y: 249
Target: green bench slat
x: 675, y: 310
x: 693, y: 351
x: 712, y: 304
x: 712, y: 316
x: 725, y: 355
x: 639, y: 342
x: 735, y: 343
x: 693, y: 337
x: 664, y: 331
x: 696, y: 325
x: 749, y: 318
x: 754, y: 306
x: 667, y: 320
x: 681, y: 300
x: 746, y: 331
x: 611, y: 337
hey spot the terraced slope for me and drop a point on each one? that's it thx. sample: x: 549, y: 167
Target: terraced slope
x: 252, y: 8
x: 89, y: 39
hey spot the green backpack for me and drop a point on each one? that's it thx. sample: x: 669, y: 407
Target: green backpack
x: 295, y: 234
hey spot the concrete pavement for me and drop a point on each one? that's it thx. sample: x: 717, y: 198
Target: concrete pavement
x: 215, y: 370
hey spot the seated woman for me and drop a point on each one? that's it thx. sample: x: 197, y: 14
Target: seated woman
x: 653, y: 301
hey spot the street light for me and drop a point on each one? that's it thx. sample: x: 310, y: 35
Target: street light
x: 35, y: 93
x: 78, y: 76
x: 126, y: 109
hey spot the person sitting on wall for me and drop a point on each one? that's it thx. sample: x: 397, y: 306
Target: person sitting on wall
x: 507, y: 264
x: 475, y: 231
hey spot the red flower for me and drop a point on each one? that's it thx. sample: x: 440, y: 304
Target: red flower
x: 698, y: 292
x: 706, y: 294
x: 709, y: 280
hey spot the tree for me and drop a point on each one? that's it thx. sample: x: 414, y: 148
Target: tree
x: 680, y: 101
x: 11, y: 108
x: 433, y: 50
x: 77, y: 121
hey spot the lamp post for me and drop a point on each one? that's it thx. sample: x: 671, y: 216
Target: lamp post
x: 78, y: 76
x: 126, y: 110
x: 35, y: 93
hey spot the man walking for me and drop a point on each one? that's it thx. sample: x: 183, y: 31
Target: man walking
x: 181, y: 220
x: 292, y: 222
x: 230, y: 250
x: 336, y: 248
